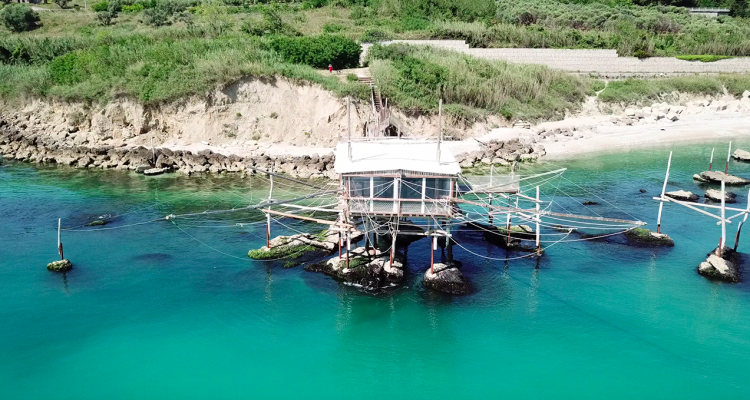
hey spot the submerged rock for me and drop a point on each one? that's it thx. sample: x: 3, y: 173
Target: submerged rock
x: 60, y: 266
x: 447, y: 278
x: 741, y: 155
x: 590, y: 203
x: 155, y: 171
x: 370, y: 270
x: 718, y: 176
x: 724, y: 268
x: 682, y: 195
x: 715, y: 196
x: 646, y: 237
x: 98, y: 222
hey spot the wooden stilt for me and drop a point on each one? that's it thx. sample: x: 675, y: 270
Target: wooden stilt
x: 59, y: 243
x: 711, y: 162
x: 348, y: 243
x: 723, y: 241
x: 339, y: 245
x: 489, y: 212
x: 538, y: 240
x: 729, y: 154
x: 432, y: 254
x: 268, y: 230
x: 739, y: 226
x: 393, y: 246
x: 507, y: 220
x: 663, y: 190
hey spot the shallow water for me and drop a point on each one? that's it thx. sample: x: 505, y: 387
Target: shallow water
x: 158, y: 310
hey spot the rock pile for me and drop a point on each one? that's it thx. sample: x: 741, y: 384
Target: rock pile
x: 19, y: 146
x: 682, y: 195
x: 741, y: 155
x: 447, y: 278
x: 501, y: 153
x: 715, y: 196
x: 724, y: 268
x: 718, y: 176
x: 647, y: 238
x: 370, y: 270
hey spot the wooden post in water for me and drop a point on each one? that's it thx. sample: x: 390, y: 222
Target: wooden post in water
x: 711, y: 161
x: 339, y: 245
x: 723, y: 219
x: 739, y: 226
x: 729, y: 154
x: 59, y: 243
x: 268, y: 216
x: 489, y: 211
x: 348, y: 245
x: 538, y: 239
x: 663, y: 190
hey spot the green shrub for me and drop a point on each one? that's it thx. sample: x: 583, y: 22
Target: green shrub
x: 104, y: 18
x: 310, y: 4
x: 19, y: 18
x: 352, y: 78
x: 703, y: 58
x: 374, y: 35
x: 165, y: 12
x: 100, y: 6
x: 271, y: 24
x: 135, y: 8
x: 319, y: 51
x: 332, y: 28
x: 62, y: 3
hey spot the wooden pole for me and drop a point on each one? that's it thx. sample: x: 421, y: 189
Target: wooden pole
x: 440, y: 128
x: 739, y: 226
x: 393, y: 246
x: 348, y: 245
x: 432, y: 254
x: 729, y: 154
x: 538, y: 239
x: 663, y: 190
x: 339, y: 245
x: 59, y: 243
x: 711, y: 161
x: 723, y: 221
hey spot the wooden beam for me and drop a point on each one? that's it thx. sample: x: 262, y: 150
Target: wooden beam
x: 317, y: 220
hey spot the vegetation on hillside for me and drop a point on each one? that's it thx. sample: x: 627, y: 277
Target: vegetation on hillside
x: 633, y: 91
x: 162, y: 50
x: 415, y: 78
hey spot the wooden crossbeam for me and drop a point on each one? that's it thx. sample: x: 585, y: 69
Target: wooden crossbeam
x: 311, y: 219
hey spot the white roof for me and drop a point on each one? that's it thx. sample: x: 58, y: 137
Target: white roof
x: 395, y: 155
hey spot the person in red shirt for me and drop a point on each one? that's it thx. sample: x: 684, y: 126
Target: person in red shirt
x: 330, y: 68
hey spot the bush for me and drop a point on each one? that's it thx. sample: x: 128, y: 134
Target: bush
x: 332, y: 28
x: 703, y: 58
x: 135, y: 8
x: 352, y: 78
x: 19, y: 18
x: 271, y: 24
x: 165, y: 12
x: 310, y: 4
x: 100, y: 6
x: 319, y: 51
x: 374, y: 35
x: 104, y: 18
x: 62, y: 3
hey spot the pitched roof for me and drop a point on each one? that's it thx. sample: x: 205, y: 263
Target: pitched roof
x: 394, y: 155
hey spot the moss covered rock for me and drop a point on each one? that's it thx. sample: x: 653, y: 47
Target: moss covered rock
x: 60, y: 266
x: 645, y: 237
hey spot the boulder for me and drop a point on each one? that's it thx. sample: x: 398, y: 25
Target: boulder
x: 682, y: 195
x: 746, y: 94
x: 715, y: 196
x: 155, y: 171
x: 370, y: 270
x: 724, y: 268
x: 446, y: 278
x: 741, y: 155
x: 718, y: 176
x: 647, y: 238
x: 60, y: 266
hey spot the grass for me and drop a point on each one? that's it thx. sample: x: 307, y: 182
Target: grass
x: 638, y: 91
x: 413, y: 77
x: 703, y: 58
x: 280, y: 252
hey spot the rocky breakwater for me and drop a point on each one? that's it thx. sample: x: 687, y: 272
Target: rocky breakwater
x: 300, y: 248
x: 447, y: 278
x: 63, y: 265
x: 718, y: 176
x: 34, y: 146
x: 503, y: 153
x: 724, y: 267
x: 369, y: 269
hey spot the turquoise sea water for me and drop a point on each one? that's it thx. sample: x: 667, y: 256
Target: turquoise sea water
x: 163, y: 311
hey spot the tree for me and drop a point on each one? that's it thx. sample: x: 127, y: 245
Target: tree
x: 19, y: 18
x: 62, y: 3
x: 739, y: 9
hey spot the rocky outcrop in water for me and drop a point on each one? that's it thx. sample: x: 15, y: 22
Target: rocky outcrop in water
x: 724, y: 268
x: 741, y: 155
x: 682, y: 195
x: 447, y: 278
x: 60, y: 266
x: 718, y: 176
x: 647, y: 238
x: 370, y: 270
x: 715, y: 196
x: 300, y: 248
